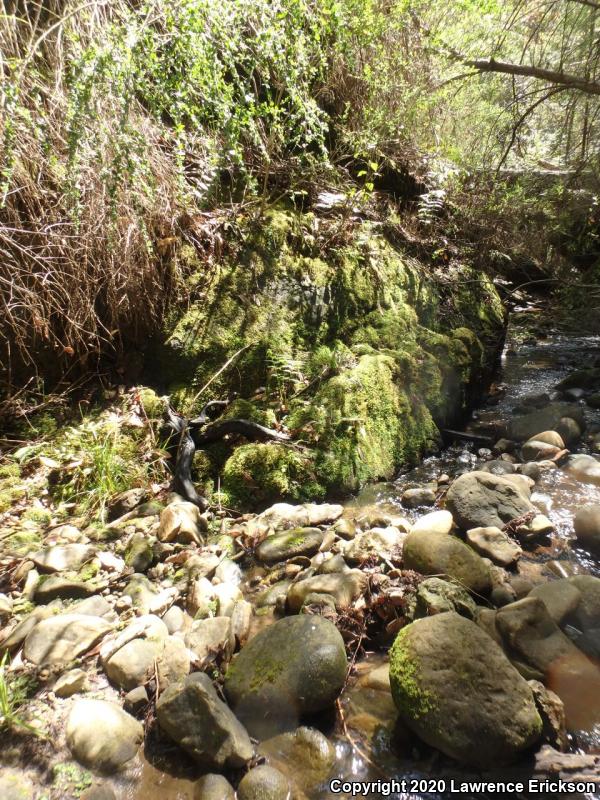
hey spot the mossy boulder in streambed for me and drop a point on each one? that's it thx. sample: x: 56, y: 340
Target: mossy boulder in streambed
x: 288, y: 544
x: 293, y: 668
x: 480, y: 499
x: 356, y: 348
x: 455, y: 688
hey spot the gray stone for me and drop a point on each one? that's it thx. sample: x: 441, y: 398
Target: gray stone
x: 345, y: 587
x: 288, y: 544
x: 294, y: 667
x: 18, y: 635
x: 560, y: 597
x: 62, y: 557
x: 63, y: 587
x: 435, y: 596
x: 494, y: 544
x: 441, y: 554
x: 283, y: 516
x: 310, y: 754
x: 415, y: 498
x: 481, y: 500
x: 264, y: 783
x: 585, y: 468
x: 101, y: 735
x: 498, y: 467
x: 94, y: 606
x: 174, y: 619
x: 379, y: 543
x: 192, y: 714
x: 133, y: 663
x: 241, y: 620
x: 76, y: 680
x: 434, y: 522
x: 213, y: 787
x: 182, y: 522
x: 537, y: 450
x: 136, y: 701
x: 125, y: 502
x: 60, y: 639
x: 548, y: 418
x: 142, y: 593
x: 587, y: 615
x: 529, y: 632
x: 454, y: 687
x: 139, y: 553
x: 211, y: 640
x: 569, y: 429
x: 552, y: 713
x: 587, y: 527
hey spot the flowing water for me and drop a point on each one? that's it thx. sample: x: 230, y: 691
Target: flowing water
x: 369, y: 745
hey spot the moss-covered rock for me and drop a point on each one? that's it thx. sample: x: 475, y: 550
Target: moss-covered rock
x: 356, y: 348
x: 455, y: 688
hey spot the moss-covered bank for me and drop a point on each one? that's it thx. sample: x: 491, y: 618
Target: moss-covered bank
x: 360, y: 350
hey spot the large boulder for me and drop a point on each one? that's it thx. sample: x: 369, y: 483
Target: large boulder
x: 60, y: 639
x: 455, y: 688
x: 560, y: 597
x: 442, y: 554
x: 481, y: 500
x: 587, y: 527
x: 192, y: 714
x: 101, y: 735
x: 296, y: 666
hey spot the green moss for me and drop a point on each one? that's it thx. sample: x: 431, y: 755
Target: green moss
x: 244, y: 409
x: 258, y: 474
x: 408, y: 696
x: 153, y: 405
x: 10, y: 470
x: 22, y: 542
x: 42, y: 516
x: 11, y: 492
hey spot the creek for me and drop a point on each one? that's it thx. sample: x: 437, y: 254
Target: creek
x: 368, y: 744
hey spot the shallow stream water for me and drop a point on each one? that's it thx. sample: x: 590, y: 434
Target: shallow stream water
x: 368, y: 744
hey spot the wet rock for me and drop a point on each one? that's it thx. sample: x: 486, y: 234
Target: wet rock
x: 435, y: 522
x: 552, y: 713
x: 296, y: 666
x: 125, y: 502
x: 450, y: 682
x: 560, y: 597
x: 60, y: 639
x: 192, y: 714
x: 539, y: 450
x: 435, y: 596
x: 499, y: 467
x: 524, y: 427
x: 264, y: 783
x: 288, y: 544
x: 531, y: 635
x: 139, y: 553
x: 586, y: 617
x: 63, y: 557
x: 135, y: 701
x: 76, y: 680
x: 381, y: 543
x: 537, y: 528
x: 480, y: 500
x: 378, y: 679
x: 101, y: 735
x: 441, y: 554
x: 569, y: 766
x: 335, y: 563
x: 61, y: 586
x: 183, y: 522
x: 569, y: 430
x: 310, y: 755
x: 283, y: 516
x: 505, y: 446
x: 213, y: 787
x: 587, y: 527
x: 270, y: 596
x: 585, y: 468
x: 494, y: 544
x: 530, y: 470
x: 414, y: 498
x: 211, y: 640
x: 345, y: 587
